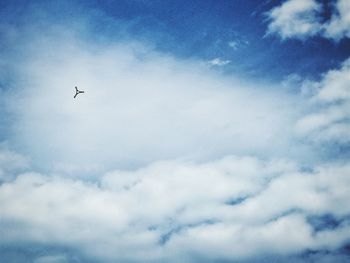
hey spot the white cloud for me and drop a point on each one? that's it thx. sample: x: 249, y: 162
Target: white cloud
x: 170, y: 210
x: 140, y: 109
x: 295, y: 18
x: 339, y: 25
x: 328, y: 119
x: 139, y: 106
x: 331, y: 95
x: 301, y: 19
x: 335, y: 85
x: 218, y: 62
x: 240, y: 241
x: 10, y: 163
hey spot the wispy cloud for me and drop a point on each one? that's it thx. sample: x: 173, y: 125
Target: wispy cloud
x: 218, y: 62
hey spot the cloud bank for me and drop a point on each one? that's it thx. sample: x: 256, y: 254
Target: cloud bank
x: 235, y: 208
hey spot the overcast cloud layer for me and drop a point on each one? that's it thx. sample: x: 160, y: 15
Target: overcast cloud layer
x: 166, y: 159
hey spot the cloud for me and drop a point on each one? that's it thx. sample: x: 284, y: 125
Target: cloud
x: 219, y: 62
x: 295, y: 18
x: 185, y: 164
x: 327, y: 121
x: 331, y: 96
x: 339, y: 25
x: 233, y: 44
x: 238, y: 43
x: 170, y: 210
x: 139, y: 106
x: 10, y: 163
x: 303, y: 18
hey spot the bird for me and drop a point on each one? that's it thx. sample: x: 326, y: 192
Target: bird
x: 77, y: 92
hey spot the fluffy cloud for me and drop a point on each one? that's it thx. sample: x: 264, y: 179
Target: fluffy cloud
x: 339, y: 25
x: 327, y: 120
x: 295, y: 18
x: 302, y: 19
x: 331, y: 97
x: 171, y: 211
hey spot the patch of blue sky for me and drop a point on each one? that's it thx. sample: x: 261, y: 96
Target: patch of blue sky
x: 202, y: 30
x: 205, y: 29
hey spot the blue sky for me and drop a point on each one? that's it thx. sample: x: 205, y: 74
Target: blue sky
x: 209, y: 131
x: 200, y: 29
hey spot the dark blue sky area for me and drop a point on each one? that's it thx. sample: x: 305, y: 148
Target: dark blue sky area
x: 227, y: 29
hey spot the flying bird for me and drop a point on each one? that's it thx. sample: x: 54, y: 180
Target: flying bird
x: 77, y: 92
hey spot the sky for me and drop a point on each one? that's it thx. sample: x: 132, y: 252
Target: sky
x: 209, y: 131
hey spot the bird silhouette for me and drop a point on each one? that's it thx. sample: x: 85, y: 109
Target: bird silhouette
x: 77, y: 92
